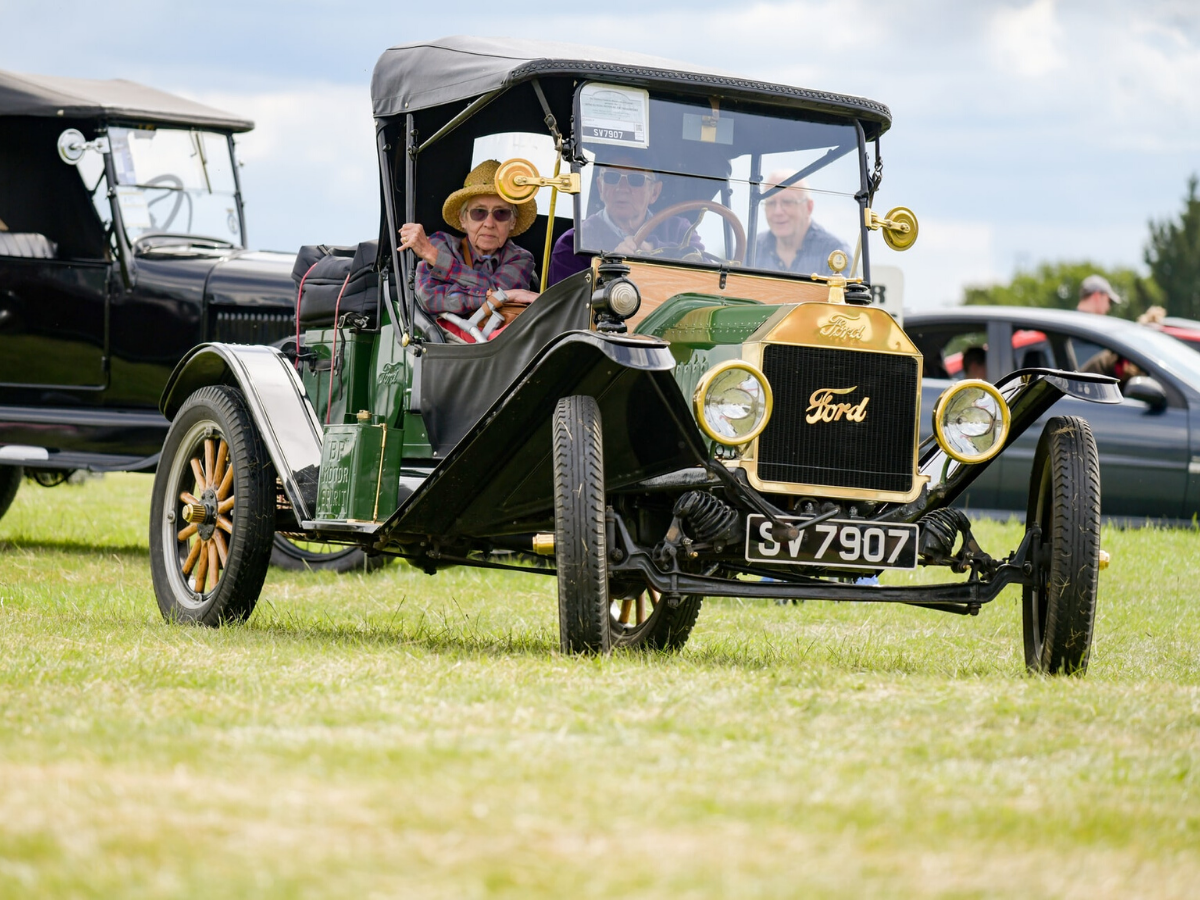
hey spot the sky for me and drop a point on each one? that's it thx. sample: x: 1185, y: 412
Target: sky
x: 1023, y: 132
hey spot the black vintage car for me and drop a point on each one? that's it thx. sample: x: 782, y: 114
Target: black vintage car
x: 122, y: 246
x: 688, y: 417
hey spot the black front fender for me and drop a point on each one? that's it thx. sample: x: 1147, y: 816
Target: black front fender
x: 1029, y: 393
x: 498, y: 477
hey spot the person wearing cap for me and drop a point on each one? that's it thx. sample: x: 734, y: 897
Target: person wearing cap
x: 627, y: 191
x: 458, y: 275
x: 1096, y: 295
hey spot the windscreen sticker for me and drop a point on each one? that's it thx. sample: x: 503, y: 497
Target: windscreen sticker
x: 135, y: 213
x: 614, y: 114
x: 121, y: 156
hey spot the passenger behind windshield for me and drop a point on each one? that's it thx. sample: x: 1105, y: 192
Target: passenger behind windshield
x: 458, y: 275
x: 794, y: 242
x: 628, y: 192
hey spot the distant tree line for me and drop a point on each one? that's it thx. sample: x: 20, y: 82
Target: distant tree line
x: 1172, y: 255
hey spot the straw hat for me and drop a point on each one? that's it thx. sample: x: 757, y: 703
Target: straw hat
x: 482, y: 180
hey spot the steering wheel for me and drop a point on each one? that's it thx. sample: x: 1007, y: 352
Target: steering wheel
x: 175, y: 184
x: 739, y: 233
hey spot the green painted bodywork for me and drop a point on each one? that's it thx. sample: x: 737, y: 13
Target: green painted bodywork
x: 359, y: 473
x: 704, y: 330
x: 361, y: 460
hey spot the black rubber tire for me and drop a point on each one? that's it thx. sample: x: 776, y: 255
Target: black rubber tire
x: 1059, y: 610
x: 213, y: 412
x: 580, y: 546
x: 666, y: 628
x: 10, y: 481
x: 287, y: 555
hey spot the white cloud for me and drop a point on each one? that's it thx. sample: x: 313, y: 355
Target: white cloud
x: 949, y: 254
x: 1026, y: 40
x: 310, y: 172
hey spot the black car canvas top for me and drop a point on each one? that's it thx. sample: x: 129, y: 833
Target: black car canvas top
x: 412, y: 77
x: 84, y: 98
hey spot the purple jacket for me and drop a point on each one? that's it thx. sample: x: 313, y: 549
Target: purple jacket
x: 600, y: 237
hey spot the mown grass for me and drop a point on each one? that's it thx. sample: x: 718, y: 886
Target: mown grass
x: 401, y: 735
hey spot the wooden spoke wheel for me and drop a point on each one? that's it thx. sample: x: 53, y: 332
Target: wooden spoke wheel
x: 640, y: 617
x: 212, y: 513
x: 202, y: 543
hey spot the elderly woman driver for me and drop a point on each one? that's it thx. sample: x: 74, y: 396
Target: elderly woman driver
x: 457, y: 275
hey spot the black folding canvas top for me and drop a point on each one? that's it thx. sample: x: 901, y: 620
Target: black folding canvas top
x: 413, y: 77
x: 114, y: 99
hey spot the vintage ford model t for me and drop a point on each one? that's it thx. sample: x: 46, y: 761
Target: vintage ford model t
x: 706, y: 415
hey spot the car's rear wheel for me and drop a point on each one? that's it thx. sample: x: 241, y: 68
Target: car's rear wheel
x: 579, y: 534
x: 212, y: 512
x: 643, y: 619
x: 1059, y: 608
x: 296, y: 555
x: 10, y: 482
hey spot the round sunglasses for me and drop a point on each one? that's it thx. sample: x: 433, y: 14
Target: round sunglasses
x: 500, y: 214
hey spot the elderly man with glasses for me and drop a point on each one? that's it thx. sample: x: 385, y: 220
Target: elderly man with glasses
x: 627, y: 192
x: 458, y: 275
x: 793, y: 242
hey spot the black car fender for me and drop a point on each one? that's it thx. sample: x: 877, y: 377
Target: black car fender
x: 1029, y: 393
x: 497, y: 478
x: 276, y: 399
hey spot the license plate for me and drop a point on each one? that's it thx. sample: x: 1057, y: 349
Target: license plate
x: 840, y: 543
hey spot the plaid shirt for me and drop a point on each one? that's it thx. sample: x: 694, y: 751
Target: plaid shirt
x: 454, y: 285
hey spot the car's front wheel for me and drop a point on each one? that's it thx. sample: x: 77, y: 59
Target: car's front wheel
x: 580, y: 549
x: 212, y: 512
x: 1059, y: 608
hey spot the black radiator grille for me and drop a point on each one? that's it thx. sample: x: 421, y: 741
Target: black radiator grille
x: 252, y: 327
x: 875, y: 454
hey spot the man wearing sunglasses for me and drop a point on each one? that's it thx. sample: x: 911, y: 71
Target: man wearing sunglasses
x: 627, y: 191
x: 458, y: 275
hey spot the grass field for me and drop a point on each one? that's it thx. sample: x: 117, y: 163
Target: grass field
x: 400, y: 735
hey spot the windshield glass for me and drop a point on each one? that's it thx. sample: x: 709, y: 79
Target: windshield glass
x: 699, y: 181
x: 1172, y: 355
x: 172, y: 181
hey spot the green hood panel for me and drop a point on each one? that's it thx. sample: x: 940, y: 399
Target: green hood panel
x: 704, y: 321
x: 704, y: 330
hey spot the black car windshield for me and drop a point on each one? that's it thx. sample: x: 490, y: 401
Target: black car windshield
x: 175, y: 181
x: 692, y: 179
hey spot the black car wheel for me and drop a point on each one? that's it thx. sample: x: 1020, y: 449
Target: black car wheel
x: 579, y: 534
x: 1059, y: 609
x: 212, y: 512
x: 10, y: 481
x: 312, y: 556
x: 642, y: 619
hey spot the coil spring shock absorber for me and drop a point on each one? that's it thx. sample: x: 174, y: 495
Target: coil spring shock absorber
x: 708, y: 519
